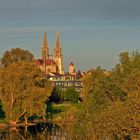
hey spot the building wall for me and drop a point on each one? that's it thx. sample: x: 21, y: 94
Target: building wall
x: 65, y: 82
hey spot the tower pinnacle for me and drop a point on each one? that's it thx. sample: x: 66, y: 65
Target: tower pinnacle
x: 44, y: 43
x: 58, y: 40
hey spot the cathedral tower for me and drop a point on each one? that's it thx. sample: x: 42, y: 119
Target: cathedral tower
x: 45, y: 51
x: 57, y: 56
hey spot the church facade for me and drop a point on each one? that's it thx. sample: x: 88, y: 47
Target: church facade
x: 51, y: 63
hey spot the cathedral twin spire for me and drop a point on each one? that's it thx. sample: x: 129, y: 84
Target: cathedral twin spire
x: 57, y: 40
x: 57, y: 54
x: 45, y: 49
x: 45, y: 44
x: 57, y: 49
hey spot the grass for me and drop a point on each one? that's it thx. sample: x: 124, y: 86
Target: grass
x: 66, y: 106
x: 60, y: 110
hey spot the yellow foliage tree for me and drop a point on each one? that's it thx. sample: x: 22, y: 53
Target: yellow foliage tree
x: 23, y: 91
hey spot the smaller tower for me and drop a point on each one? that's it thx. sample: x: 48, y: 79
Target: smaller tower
x: 72, y: 69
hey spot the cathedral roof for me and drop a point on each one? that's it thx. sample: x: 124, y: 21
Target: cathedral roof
x: 39, y: 61
x: 48, y: 62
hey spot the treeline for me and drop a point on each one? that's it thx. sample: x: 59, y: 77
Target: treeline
x: 111, y: 99
x: 111, y: 102
x: 24, y: 92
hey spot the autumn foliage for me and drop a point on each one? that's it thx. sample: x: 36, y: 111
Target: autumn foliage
x: 23, y: 89
x: 111, y: 102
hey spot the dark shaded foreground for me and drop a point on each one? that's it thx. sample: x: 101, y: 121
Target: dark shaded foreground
x: 41, y: 131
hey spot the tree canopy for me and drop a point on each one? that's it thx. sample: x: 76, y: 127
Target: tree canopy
x: 111, y: 102
x: 71, y: 95
x: 23, y: 90
x: 56, y: 95
x: 16, y: 55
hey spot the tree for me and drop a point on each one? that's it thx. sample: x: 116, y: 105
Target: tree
x: 23, y: 91
x: 71, y: 95
x: 56, y: 95
x: 2, y: 114
x: 111, y: 102
x: 129, y: 62
x: 16, y: 55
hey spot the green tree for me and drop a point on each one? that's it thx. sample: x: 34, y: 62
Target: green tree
x: 111, y: 102
x: 16, y: 55
x: 56, y: 95
x: 129, y: 62
x: 2, y: 114
x: 71, y: 95
x: 23, y: 91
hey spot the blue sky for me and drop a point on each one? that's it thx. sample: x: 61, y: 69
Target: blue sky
x: 93, y: 32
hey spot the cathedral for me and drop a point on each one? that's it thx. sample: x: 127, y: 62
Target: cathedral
x: 53, y: 66
x: 51, y: 63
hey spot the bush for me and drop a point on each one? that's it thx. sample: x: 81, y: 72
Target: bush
x: 71, y: 95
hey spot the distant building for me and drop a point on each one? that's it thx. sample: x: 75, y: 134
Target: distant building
x: 51, y: 63
x: 72, y: 69
x: 53, y: 67
x: 67, y: 80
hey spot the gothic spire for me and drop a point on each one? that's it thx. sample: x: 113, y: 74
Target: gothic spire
x: 45, y: 49
x: 44, y: 43
x: 58, y: 58
x: 58, y: 40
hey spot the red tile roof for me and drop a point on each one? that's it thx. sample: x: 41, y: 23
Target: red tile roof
x: 48, y: 62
